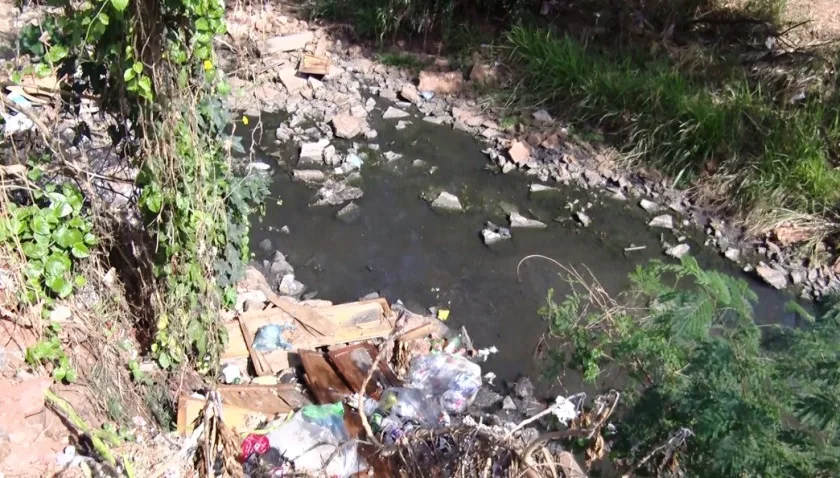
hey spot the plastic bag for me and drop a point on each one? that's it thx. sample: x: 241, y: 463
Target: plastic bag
x: 270, y: 337
x: 401, y: 410
x: 312, y: 435
x: 451, y: 379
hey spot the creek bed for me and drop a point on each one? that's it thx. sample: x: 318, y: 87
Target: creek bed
x: 402, y: 248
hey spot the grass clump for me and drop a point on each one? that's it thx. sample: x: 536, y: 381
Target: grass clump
x: 771, y: 154
x: 402, y: 60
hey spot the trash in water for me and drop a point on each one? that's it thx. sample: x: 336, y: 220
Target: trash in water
x: 270, y: 337
x: 451, y: 379
x: 401, y: 410
x: 443, y: 314
x: 484, y: 354
x: 312, y: 436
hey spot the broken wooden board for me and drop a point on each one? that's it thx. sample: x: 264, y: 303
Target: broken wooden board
x: 307, y: 317
x: 326, y: 385
x: 354, y: 322
x: 314, y: 65
x: 242, y: 405
x: 353, y: 364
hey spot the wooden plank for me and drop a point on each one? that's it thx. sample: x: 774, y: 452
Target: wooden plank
x: 307, y: 317
x: 241, y: 404
x: 261, y: 365
x: 314, y: 65
x: 353, y: 364
x: 322, y: 379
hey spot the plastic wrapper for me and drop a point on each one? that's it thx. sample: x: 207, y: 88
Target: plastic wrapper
x: 270, y: 337
x: 451, y: 379
x: 312, y: 435
x: 401, y: 410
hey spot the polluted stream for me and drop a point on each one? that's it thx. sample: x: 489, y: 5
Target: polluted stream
x: 401, y: 248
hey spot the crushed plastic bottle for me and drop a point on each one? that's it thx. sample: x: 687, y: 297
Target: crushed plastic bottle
x: 451, y: 379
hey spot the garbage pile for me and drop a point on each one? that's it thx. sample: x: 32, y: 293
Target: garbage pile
x: 315, y: 388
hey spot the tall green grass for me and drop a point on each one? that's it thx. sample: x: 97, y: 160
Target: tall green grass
x: 772, y: 154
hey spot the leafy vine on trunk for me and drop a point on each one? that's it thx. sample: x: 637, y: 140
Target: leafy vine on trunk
x: 152, y: 64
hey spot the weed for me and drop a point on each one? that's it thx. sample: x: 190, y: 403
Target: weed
x: 402, y: 60
x: 50, y: 351
x: 780, y: 156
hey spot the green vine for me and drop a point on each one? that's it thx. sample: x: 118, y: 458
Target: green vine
x: 152, y: 62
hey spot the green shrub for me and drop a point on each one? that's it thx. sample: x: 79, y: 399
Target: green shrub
x: 756, y: 404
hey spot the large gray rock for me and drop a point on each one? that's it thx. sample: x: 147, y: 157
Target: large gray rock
x: 409, y: 93
x: 394, y: 113
x: 334, y: 193
x: 774, y: 277
x: 519, y: 221
x: 649, y: 206
x: 447, y: 202
x: 280, y: 44
x: 349, y: 213
x: 311, y: 154
x: 664, y: 221
x: 289, y: 78
x: 678, y: 251
x: 347, y: 126
x: 309, y: 175
x: 290, y: 286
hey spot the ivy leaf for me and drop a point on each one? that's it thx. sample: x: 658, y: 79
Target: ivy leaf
x: 104, y: 18
x: 57, y: 265
x: 39, y: 225
x: 153, y: 201
x: 59, y: 203
x: 67, y: 237
x: 119, y: 5
x: 34, y: 269
x: 70, y: 375
x: 80, y: 251
x: 34, y: 250
x: 202, y: 25
x: 80, y: 281
x: 163, y: 360
x: 129, y: 74
x: 56, y: 53
x: 60, y: 286
x: 90, y: 239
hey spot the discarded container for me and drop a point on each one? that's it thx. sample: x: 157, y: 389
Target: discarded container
x: 451, y: 379
x: 270, y: 337
x: 401, y: 410
x: 311, y: 437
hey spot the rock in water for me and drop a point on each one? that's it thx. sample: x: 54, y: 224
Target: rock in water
x: 677, y: 251
x: 774, y: 277
x: 447, y: 202
x: 493, y: 234
x: 349, y: 213
x: 309, y: 175
x: 649, y: 206
x: 289, y: 286
x: 347, y: 126
x: 394, y: 113
x: 664, y: 221
x: 311, y: 154
x: 334, y: 193
x: 518, y: 220
x: 409, y: 93
x: 542, y: 188
x: 584, y: 219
